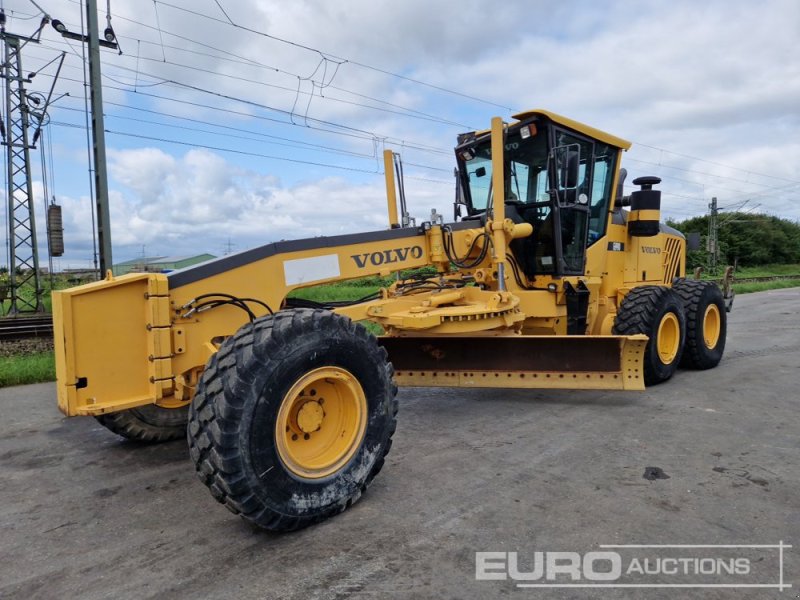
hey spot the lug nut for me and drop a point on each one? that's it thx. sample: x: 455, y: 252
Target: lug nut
x: 306, y: 436
x: 294, y: 437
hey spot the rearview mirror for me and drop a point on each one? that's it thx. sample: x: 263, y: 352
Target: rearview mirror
x: 568, y: 159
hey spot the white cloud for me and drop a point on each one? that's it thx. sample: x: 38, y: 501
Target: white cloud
x: 194, y: 202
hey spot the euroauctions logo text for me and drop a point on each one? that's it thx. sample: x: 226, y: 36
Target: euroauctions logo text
x: 641, y: 566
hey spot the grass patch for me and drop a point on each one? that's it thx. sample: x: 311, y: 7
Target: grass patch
x: 759, y: 271
x: 333, y: 292
x: 767, y: 271
x: 22, y: 369
x: 763, y: 286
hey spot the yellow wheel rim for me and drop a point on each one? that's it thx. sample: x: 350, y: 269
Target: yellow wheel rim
x: 668, y: 339
x: 321, y: 422
x: 711, y: 326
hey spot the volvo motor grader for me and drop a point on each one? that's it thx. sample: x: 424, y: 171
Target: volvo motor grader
x: 549, y: 277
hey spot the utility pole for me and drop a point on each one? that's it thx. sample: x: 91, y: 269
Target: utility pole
x: 92, y: 38
x: 98, y: 140
x: 23, y: 250
x: 712, y: 243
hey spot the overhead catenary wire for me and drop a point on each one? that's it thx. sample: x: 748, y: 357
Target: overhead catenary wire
x: 331, y: 55
x: 245, y: 152
x: 326, y: 55
x: 321, y: 53
x: 410, y: 145
x: 366, y: 135
x: 712, y: 162
x: 252, y: 62
x: 339, y: 128
x: 161, y: 33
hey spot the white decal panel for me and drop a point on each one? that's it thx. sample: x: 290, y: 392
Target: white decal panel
x: 305, y: 270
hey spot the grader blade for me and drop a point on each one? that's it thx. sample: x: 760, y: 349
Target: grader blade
x: 569, y: 362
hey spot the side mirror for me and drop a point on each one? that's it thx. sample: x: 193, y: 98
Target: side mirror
x: 568, y: 167
x: 566, y: 160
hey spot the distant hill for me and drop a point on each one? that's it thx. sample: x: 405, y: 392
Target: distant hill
x: 751, y: 239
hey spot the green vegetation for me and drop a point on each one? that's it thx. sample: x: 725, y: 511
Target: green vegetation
x: 746, y: 240
x: 27, y: 368
x: 762, y: 286
x: 335, y: 291
x: 58, y: 282
x: 768, y: 271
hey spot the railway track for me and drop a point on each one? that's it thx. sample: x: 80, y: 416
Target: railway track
x: 25, y: 326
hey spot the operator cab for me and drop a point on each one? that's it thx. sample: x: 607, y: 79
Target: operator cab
x: 556, y: 178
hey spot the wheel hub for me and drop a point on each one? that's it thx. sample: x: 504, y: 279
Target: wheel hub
x: 309, y: 417
x: 711, y: 326
x: 321, y: 422
x: 668, y: 338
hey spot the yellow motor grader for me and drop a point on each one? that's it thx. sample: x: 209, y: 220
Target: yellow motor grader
x: 549, y: 277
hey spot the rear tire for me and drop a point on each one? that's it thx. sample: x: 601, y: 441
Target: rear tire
x: 706, y: 323
x: 261, y: 420
x: 149, y: 423
x: 656, y: 312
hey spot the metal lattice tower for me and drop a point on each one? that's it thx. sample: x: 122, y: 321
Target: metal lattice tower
x: 24, y: 276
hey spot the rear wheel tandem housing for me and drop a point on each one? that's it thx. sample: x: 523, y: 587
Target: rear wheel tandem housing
x: 293, y: 417
x: 149, y: 423
x: 657, y: 312
x: 706, y: 323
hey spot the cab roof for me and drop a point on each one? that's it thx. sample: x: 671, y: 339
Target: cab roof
x: 577, y: 126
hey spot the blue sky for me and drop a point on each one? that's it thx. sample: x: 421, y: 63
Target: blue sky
x: 259, y: 120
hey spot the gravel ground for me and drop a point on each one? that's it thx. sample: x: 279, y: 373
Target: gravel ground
x: 25, y: 346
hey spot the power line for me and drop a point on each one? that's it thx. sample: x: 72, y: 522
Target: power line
x: 371, y: 136
x: 330, y: 55
x: 290, y: 143
x: 197, y: 88
x: 242, y: 152
x: 409, y: 113
x: 406, y: 144
x: 350, y: 131
x: 704, y: 173
x: 321, y: 53
x: 419, y: 114
x: 711, y: 162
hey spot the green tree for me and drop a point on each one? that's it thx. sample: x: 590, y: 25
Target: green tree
x: 746, y: 238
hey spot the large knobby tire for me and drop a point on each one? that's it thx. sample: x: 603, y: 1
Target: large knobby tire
x: 657, y: 312
x: 149, y: 423
x: 293, y: 417
x: 706, y: 323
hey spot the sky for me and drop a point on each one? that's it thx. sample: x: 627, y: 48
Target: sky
x: 231, y: 124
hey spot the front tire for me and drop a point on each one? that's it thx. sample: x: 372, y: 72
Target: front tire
x: 657, y: 312
x: 148, y: 423
x: 706, y: 323
x: 292, y: 418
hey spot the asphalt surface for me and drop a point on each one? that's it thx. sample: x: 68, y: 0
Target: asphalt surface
x: 84, y: 514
